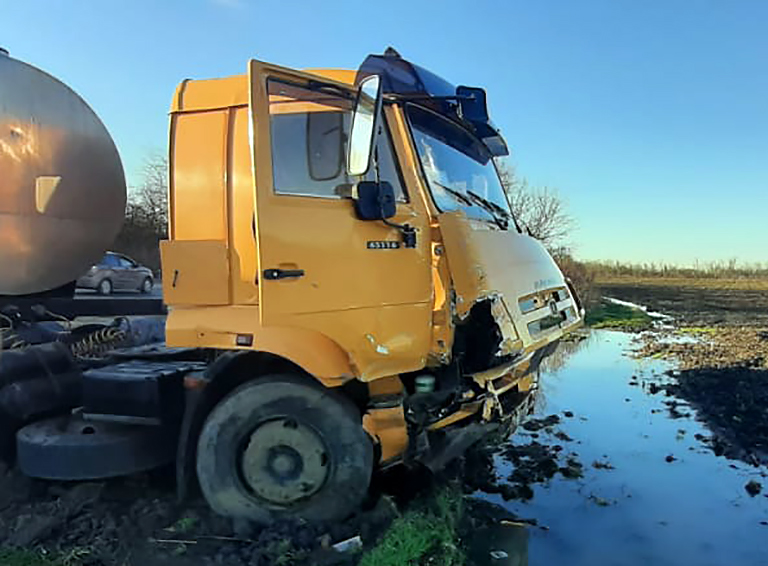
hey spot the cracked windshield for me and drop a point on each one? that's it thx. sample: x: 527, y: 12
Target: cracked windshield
x: 420, y: 293
x: 458, y: 168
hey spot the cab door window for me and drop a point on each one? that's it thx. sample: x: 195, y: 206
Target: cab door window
x: 309, y: 132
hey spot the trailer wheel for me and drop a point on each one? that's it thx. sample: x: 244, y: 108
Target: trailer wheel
x: 282, y: 447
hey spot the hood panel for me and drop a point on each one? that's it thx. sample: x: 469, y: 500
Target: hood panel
x: 486, y: 263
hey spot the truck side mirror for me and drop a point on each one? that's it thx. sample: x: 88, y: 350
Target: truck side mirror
x: 364, y: 119
x: 375, y: 201
x: 325, y: 145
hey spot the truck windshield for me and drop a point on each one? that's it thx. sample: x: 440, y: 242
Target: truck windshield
x: 459, y: 170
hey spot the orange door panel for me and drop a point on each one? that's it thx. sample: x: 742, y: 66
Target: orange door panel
x: 314, y: 254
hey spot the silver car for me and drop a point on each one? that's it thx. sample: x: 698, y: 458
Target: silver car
x: 117, y: 272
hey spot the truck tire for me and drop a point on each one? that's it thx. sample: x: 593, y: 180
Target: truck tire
x: 283, y: 447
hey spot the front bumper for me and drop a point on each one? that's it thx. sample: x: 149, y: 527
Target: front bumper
x: 441, y: 446
x: 87, y: 282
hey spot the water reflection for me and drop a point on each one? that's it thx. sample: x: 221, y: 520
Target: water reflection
x: 555, y: 363
x: 668, y: 500
x: 500, y: 545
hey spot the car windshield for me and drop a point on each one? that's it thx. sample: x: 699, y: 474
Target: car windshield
x: 459, y: 170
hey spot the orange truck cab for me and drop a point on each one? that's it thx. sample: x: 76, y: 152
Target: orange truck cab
x: 342, y: 248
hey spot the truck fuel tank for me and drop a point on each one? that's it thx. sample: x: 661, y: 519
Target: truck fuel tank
x: 62, y: 186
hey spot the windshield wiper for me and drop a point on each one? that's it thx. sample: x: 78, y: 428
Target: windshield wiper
x: 456, y: 194
x: 501, y: 216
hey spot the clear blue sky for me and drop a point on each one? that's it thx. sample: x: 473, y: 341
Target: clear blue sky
x: 650, y: 117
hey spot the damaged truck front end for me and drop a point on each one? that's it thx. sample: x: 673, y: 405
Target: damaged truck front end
x: 501, y: 304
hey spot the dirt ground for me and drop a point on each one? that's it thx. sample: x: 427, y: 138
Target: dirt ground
x: 137, y: 520
x: 696, y: 302
x: 718, y: 345
x: 722, y: 373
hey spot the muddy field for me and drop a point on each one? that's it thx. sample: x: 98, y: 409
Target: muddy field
x: 647, y: 448
x: 138, y: 521
x: 696, y: 302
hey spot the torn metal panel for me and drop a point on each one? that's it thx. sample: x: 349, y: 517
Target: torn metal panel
x: 511, y: 344
x: 387, y: 426
x: 504, y: 267
x: 442, y: 308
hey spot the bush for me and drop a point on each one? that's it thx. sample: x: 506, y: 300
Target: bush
x: 581, y: 275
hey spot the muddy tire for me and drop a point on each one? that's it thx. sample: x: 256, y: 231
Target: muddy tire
x: 284, y: 447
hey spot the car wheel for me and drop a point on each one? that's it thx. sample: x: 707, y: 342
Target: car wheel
x: 284, y: 448
x: 146, y: 286
x: 105, y: 287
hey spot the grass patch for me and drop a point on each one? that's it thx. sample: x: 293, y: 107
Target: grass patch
x: 24, y: 557
x: 618, y: 317
x: 425, y: 533
x: 183, y: 525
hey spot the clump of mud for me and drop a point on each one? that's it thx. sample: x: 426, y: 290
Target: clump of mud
x: 732, y: 403
x: 708, y: 347
x: 723, y: 376
x: 533, y: 463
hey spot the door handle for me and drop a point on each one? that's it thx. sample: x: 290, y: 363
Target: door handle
x: 273, y: 274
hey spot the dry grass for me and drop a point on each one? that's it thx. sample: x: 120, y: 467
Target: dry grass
x: 730, y: 270
x: 724, y: 283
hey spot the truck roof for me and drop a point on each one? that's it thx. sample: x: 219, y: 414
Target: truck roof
x: 209, y: 94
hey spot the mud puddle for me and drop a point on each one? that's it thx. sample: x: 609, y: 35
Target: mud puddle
x: 650, y: 490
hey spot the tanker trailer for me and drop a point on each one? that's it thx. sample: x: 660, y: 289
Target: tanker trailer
x: 62, y: 187
x: 62, y: 202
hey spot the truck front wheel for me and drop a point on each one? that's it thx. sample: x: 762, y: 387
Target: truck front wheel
x: 283, y: 447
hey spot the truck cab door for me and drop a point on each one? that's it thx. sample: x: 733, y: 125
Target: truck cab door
x: 321, y: 267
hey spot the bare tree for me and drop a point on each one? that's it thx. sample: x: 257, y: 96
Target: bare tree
x: 146, y: 214
x: 150, y: 198
x: 539, y: 210
x: 542, y: 212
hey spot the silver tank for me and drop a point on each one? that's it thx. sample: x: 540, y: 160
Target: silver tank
x: 62, y: 186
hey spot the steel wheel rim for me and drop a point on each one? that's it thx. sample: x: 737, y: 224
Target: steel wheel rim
x: 284, y: 461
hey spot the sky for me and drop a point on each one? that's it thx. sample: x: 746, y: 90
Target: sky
x: 650, y: 118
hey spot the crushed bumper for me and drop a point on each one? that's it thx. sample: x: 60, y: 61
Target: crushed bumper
x: 448, y: 443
